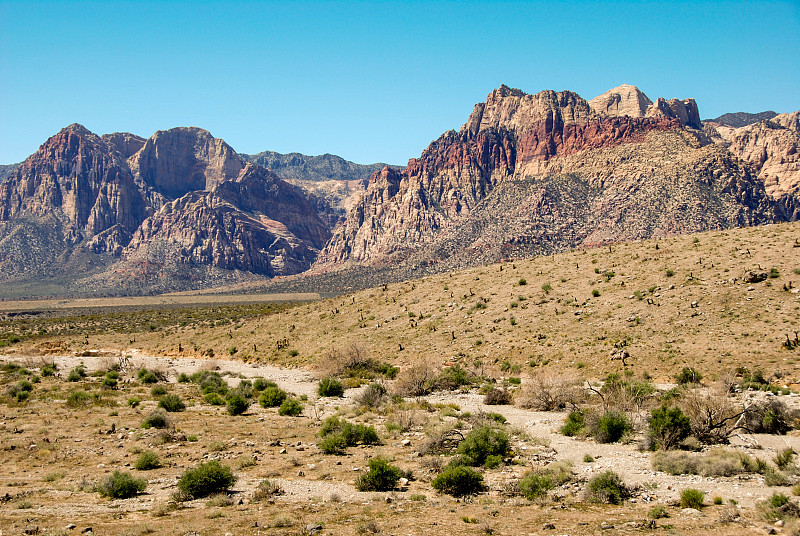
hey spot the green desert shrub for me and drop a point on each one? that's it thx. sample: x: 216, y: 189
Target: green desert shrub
x: 259, y: 384
x: 574, y: 424
x: 145, y: 375
x: 692, y: 498
x: 158, y: 390
x: 290, y: 407
x: 21, y: 390
x: 119, y: 485
x: 79, y: 399
x: 49, y: 369
x: 147, y: 460
x: 482, y: 443
x: 454, y: 377
x: 536, y: 484
x: 172, y: 403
x: 157, y: 419
x: 607, y: 487
x: 611, y: 427
x: 668, y: 427
x: 209, y: 382
x: 272, y: 397
x: 237, y: 404
x: 458, y: 481
x: 76, y: 374
x: 382, y: 476
x: 784, y: 458
x: 206, y: 479
x: 214, y: 399
x: 717, y: 462
x: 337, y: 434
x: 688, y: 375
x: 330, y: 387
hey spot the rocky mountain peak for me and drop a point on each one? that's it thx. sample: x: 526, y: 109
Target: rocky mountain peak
x: 184, y: 159
x: 622, y: 100
x: 630, y: 101
x: 516, y: 110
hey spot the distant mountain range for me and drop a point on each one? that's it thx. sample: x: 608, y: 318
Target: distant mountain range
x: 526, y: 174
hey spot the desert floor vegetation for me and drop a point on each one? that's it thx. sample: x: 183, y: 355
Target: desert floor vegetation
x: 416, y: 407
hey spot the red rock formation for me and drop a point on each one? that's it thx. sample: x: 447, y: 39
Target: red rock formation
x: 514, y: 136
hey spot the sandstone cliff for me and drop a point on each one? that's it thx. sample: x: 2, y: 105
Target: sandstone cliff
x: 81, y: 195
x: 529, y: 174
x: 772, y: 147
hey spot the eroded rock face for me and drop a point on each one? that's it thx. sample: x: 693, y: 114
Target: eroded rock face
x: 627, y: 100
x: 182, y: 189
x: 630, y: 169
x: 772, y: 146
x: 78, y: 177
x: 185, y: 159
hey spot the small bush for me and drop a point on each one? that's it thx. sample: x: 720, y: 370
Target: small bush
x: 330, y: 387
x: 157, y: 419
x: 718, y: 462
x: 49, y: 369
x: 657, y: 512
x: 290, y: 407
x: 481, y: 443
x: 79, y: 399
x: 372, y: 396
x: 338, y: 434
x: 692, y: 498
x: 147, y: 460
x: 458, y: 481
x: 574, y: 424
x: 773, y: 477
x: 171, y: 403
x: 259, y: 384
x: 77, y: 374
x: 688, y: 375
x: 214, y: 399
x: 158, y: 390
x: 272, y: 397
x: 134, y: 401
x: 454, y: 377
x: 595, y: 293
x: 607, y: 488
x: 535, y: 485
x: 150, y: 376
x: 611, y: 427
x: 784, y: 458
x: 769, y: 417
x: 778, y: 500
x: 522, y: 281
x: 206, y: 479
x: 496, y: 397
x: 668, y: 427
x: 119, y: 485
x: 237, y: 404
x: 382, y: 476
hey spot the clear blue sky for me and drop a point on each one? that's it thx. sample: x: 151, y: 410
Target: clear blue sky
x: 369, y: 81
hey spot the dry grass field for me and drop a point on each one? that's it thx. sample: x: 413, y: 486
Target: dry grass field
x: 455, y: 339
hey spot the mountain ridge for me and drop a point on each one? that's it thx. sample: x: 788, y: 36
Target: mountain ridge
x: 525, y: 174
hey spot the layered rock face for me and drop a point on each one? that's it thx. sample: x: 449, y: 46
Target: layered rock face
x: 772, y: 146
x: 84, y: 182
x: 529, y: 174
x: 627, y: 100
x: 182, y: 188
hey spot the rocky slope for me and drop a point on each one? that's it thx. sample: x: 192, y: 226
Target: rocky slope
x: 741, y: 119
x: 771, y: 146
x: 529, y: 174
x: 181, y: 197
